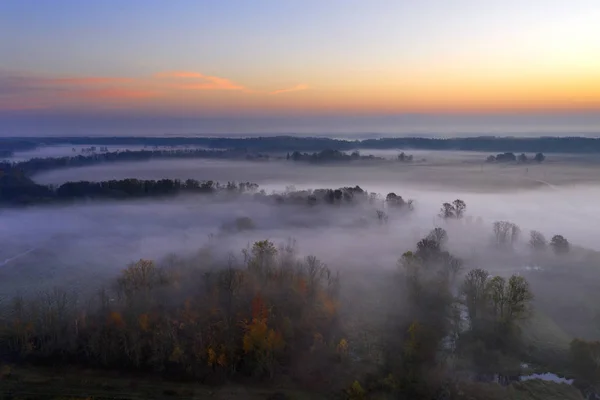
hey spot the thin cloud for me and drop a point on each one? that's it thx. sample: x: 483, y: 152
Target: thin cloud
x: 22, y: 91
x: 296, y: 88
x: 198, y: 81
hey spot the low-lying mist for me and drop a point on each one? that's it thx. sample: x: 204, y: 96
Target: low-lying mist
x: 386, y: 274
x: 62, y: 245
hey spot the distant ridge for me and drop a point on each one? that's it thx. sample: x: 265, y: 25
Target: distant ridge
x: 298, y: 143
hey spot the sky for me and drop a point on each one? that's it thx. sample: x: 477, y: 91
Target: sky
x: 299, y: 65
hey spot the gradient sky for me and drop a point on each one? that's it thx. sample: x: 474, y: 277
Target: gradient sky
x: 297, y: 58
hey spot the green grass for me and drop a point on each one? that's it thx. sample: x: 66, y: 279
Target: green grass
x: 542, y: 332
x: 548, y: 343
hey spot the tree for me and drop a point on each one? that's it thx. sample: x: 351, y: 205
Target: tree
x: 539, y: 157
x: 474, y: 289
x: 459, y: 208
x: 560, y: 244
x: 438, y: 235
x: 509, y: 302
x: 382, y: 217
x: 518, y: 296
x: 447, y: 211
x: 394, y: 200
x: 537, y: 241
x: 506, y: 233
x: 515, y: 232
x: 427, y: 249
x: 454, y: 210
x: 523, y: 158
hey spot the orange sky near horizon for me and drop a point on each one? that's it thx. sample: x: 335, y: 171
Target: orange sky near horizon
x: 298, y: 58
x: 187, y: 92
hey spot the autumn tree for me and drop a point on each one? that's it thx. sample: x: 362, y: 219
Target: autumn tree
x: 261, y: 343
x: 138, y: 278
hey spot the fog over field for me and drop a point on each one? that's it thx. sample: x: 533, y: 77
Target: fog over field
x: 75, y: 150
x: 100, y: 239
x: 88, y: 245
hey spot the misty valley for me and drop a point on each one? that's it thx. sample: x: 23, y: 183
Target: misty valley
x: 302, y: 268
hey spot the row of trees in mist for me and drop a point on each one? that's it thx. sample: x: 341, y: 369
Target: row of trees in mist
x: 18, y: 189
x: 312, y: 144
x: 507, y: 233
x: 329, y: 155
x: 269, y: 314
x: 251, y: 318
x: 35, y: 165
x: 511, y: 157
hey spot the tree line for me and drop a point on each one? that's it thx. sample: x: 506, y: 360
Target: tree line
x: 269, y: 314
x: 511, y: 157
x: 329, y: 155
x: 306, y: 144
x: 17, y: 189
x: 36, y: 165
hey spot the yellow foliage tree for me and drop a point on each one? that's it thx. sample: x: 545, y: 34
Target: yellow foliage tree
x: 262, y: 344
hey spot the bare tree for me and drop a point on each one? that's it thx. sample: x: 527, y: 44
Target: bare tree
x: 537, y: 241
x: 474, y: 289
x: 506, y: 233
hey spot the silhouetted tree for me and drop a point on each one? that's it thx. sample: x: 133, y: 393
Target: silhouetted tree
x: 394, y: 200
x: 537, y: 241
x: 459, y: 208
x: 447, y: 211
x: 454, y: 210
x: 539, y: 157
x: 560, y: 244
x: 439, y: 235
x: 506, y: 232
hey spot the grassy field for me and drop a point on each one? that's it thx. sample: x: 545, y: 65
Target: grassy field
x: 45, y: 383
